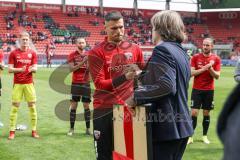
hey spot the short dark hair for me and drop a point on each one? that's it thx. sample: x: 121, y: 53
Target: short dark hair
x: 113, y: 16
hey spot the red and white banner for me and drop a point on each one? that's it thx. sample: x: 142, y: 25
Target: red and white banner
x: 220, y: 15
x: 50, y: 8
x: 9, y: 6
x: 188, y: 14
x: 125, y: 11
x: 228, y: 15
x: 72, y: 8
x: 148, y: 13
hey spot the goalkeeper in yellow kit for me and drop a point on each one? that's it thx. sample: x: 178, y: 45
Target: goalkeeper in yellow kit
x: 23, y: 62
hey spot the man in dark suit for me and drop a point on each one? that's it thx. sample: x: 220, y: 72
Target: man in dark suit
x: 237, y: 71
x: 165, y: 82
x: 228, y: 126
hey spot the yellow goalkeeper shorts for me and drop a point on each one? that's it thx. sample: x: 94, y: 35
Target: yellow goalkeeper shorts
x: 23, y: 90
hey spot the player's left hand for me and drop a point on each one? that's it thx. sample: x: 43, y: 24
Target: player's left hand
x: 32, y: 69
x: 130, y: 75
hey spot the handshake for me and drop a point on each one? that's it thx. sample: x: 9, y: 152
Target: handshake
x: 131, y: 71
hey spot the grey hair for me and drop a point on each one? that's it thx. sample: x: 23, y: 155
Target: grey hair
x: 169, y: 25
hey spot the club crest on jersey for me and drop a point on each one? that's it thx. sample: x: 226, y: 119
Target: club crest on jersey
x: 212, y: 61
x: 128, y: 55
x: 96, y: 134
x: 29, y: 55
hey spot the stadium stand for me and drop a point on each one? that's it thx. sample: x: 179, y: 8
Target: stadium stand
x: 63, y: 28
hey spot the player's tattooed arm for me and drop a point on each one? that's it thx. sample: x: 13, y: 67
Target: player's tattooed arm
x: 214, y: 74
x: 131, y: 71
x: 196, y: 72
x: 73, y: 67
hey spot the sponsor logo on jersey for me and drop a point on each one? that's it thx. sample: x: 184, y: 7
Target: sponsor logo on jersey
x: 29, y: 55
x: 25, y: 61
x: 212, y: 61
x: 128, y: 55
x: 117, y: 68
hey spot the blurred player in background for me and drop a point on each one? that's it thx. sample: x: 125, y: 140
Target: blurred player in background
x: 22, y: 63
x: 205, y: 67
x: 50, y: 47
x: 80, y: 88
x: 1, y: 69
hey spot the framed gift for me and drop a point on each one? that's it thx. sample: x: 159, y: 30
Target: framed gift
x: 132, y: 134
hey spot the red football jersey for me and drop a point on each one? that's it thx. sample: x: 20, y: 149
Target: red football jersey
x: 20, y: 59
x: 82, y: 74
x: 205, y: 81
x: 1, y: 56
x: 106, y: 62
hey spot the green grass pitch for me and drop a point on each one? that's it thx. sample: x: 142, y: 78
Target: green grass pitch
x: 55, y: 145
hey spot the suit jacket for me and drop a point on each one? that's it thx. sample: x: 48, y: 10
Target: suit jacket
x: 228, y: 126
x: 237, y: 72
x: 164, y: 84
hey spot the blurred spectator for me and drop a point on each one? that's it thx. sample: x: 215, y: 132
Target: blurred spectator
x: 41, y: 36
x: 1, y: 42
x: 95, y: 22
x: 67, y: 37
x: 103, y: 32
x: 49, y: 51
x: 58, y: 40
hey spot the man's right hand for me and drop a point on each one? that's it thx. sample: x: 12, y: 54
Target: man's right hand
x: 207, y: 66
x: 130, y: 75
x: 131, y: 71
x: 85, y: 58
x: 84, y: 61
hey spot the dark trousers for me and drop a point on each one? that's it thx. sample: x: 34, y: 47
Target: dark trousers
x: 169, y: 150
x: 103, y: 133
